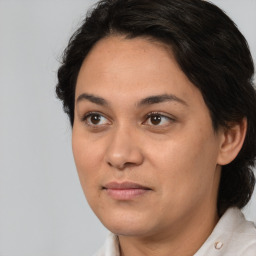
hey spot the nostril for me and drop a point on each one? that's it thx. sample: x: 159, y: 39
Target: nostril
x: 120, y: 154
x: 122, y: 166
x: 129, y: 164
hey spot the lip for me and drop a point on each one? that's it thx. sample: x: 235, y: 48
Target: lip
x: 125, y: 190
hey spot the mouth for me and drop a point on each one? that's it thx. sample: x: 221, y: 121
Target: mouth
x: 125, y: 190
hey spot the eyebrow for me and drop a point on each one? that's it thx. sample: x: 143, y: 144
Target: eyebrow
x: 92, y: 98
x: 146, y: 101
x: 161, y: 98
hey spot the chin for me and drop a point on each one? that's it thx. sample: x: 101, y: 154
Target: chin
x: 126, y: 224
x: 127, y: 230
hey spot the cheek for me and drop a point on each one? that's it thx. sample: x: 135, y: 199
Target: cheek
x: 88, y: 156
x: 185, y: 165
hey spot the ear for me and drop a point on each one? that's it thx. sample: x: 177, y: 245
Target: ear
x: 232, y: 139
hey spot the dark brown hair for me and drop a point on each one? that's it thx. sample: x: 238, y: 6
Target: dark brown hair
x: 209, y: 49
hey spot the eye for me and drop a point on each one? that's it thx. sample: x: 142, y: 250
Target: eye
x: 157, y: 119
x: 95, y: 119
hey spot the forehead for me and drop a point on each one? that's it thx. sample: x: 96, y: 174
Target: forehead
x: 120, y: 69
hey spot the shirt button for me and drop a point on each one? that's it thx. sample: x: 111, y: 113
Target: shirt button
x: 218, y: 245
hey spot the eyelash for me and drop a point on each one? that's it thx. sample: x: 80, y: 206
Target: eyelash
x: 161, y: 115
x: 90, y: 114
x: 147, y: 117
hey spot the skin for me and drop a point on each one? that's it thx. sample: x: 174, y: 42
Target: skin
x: 178, y: 157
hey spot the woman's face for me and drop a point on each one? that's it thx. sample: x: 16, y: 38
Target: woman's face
x: 143, y: 142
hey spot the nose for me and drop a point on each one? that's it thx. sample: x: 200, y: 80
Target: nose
x: 123, y: 150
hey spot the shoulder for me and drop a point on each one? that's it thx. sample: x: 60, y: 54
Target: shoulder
x: 242, y: 234
x: 232, y: 236
x: 250, y: 250
x: 243, y: 238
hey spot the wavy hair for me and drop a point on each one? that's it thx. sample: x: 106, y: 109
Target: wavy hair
x: 209, y: 49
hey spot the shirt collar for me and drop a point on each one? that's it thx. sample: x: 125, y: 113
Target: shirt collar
x: 231, y: 222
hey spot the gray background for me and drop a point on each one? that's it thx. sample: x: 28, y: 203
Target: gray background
x: 43, y: 211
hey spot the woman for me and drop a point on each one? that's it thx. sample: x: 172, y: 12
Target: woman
x: 162, y: 107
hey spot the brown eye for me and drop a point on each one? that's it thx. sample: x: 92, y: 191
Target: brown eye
x: 95, y: 119
x: 155, y: 119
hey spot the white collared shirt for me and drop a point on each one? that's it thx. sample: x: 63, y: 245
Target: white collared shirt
x: 232, y: 236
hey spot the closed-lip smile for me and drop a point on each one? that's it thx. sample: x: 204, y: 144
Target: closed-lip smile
x: 125, y: 190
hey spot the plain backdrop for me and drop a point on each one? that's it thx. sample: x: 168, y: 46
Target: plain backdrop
x: 43, y: 211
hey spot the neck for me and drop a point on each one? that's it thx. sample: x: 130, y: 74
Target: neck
x: 184, y: 239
